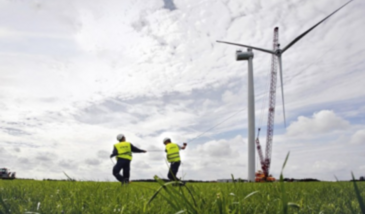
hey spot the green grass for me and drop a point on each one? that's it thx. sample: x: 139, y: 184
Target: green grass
x: 26, y: 196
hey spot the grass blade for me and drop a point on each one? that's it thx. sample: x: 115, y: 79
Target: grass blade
x: 359, y: 198
x: 68, y: 177
x: 232, y: 178
x: 283, y: 193
x: 176, y: 196
x: 251, y: 194
x: 282, y: 168
x: 291, y: 204
x: 154, y: 195
x: 192, y: 196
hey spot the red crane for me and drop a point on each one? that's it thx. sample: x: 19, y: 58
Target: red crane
x: 266, y: 161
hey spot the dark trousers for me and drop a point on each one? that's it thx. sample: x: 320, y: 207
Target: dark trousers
x: 125, y: 165
x: 174, y: 168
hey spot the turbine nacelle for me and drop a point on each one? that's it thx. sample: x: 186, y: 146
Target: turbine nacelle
x: 244, y: 55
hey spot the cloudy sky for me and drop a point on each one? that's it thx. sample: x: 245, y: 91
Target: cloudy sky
x: 75, y: 74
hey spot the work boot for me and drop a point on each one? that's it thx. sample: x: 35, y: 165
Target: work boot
x: 125, y: 183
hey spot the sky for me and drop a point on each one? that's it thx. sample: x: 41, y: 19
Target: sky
x: 75, y: 74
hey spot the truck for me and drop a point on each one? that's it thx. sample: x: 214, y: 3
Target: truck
x: 6, y: 174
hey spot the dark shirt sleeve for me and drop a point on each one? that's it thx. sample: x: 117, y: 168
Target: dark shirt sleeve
x: 136, y: 150
x: 114, y: 153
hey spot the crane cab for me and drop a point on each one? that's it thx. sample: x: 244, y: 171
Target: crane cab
x: 260, y: 177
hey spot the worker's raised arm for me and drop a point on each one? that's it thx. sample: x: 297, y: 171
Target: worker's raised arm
x: 184, y: 146
x: 137, y: 150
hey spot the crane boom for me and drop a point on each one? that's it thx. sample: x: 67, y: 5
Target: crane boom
x: 272, y: 99
x: 265, y: 162
x: 259, y: 150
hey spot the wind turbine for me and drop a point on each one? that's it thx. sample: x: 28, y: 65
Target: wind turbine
x: 278, y: 53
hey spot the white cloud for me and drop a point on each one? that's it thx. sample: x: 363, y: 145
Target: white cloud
x: 94, y: 162
x: 217, y: 149
x: 321, y: 122
x: 358, y: 137
x: 328, y: 165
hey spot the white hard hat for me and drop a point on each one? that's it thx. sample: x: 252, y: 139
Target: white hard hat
x: 120, y: 136
x: 166, y: 139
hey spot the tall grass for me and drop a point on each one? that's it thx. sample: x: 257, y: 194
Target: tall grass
x: 30, y: 197
x: 19, y: 196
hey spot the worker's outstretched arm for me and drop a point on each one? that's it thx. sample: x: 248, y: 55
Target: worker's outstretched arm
x: 137, y: 150
x: 184, y: 146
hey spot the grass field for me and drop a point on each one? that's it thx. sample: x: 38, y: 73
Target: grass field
x: 27, y: 196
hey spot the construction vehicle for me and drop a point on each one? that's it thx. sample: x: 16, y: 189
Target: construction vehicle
x: 260, y: 177
x: 263, y: 175
x: 6, y: 174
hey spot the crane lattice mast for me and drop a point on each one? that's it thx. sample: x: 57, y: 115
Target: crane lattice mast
x: 265, y: 163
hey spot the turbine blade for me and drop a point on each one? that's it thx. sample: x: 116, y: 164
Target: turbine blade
x: 310, y: 29
x: 247, y: 46
x: 282, y: 87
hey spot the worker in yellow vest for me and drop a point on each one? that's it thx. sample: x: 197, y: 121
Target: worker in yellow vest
x: 123, y: 152
x: 173, y: 157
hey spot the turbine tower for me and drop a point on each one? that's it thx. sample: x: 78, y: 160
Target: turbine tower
x: 276, y: 52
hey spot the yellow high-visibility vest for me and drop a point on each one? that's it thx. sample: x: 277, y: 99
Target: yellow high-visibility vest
x: 124, y: 150
x: 172, y: 152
